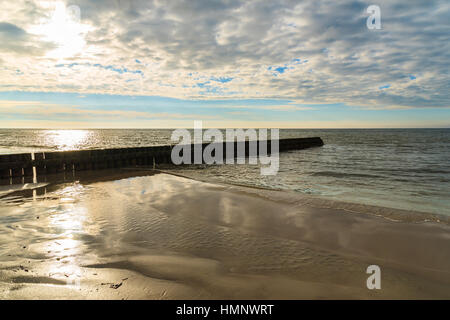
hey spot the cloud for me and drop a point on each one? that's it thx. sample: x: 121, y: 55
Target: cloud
x: 287, y: 107
x: 39, y: 110
x: 14, y: 39
x: 310, y: 52
x: 11, y: 31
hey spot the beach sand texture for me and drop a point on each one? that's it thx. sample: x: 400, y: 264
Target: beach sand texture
x: 150, y: 235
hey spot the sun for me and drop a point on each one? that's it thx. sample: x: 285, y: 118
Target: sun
x: 63, y: 28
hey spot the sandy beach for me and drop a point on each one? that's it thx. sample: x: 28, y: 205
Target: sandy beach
x: 142, y: 234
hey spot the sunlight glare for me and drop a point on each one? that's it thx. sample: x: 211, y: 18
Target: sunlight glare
x: 64, y: 29
x: 67, y: 139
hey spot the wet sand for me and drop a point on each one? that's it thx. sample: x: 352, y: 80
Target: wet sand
x: 147, y: 235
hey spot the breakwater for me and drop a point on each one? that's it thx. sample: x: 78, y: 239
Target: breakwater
x: 41, y: 163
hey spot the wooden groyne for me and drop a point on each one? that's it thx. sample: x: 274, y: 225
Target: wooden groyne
x: 29, y: 164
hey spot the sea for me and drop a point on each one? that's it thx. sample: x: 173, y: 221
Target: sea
x: 395, y: 168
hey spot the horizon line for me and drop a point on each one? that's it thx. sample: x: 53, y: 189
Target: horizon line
x: 173, y: 128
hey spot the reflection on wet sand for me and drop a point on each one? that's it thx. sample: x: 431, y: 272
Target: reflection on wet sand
x: 138, y: 234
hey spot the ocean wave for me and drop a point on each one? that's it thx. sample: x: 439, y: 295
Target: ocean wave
x: 344, y: 175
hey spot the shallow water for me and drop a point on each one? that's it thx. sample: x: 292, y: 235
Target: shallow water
x: 398, y: 168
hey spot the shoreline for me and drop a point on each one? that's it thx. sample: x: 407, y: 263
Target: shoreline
x: 282, y: 195
x: 392, y: 214
x: 172, y: 237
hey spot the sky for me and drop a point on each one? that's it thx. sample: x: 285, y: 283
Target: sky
x: 229, y: 63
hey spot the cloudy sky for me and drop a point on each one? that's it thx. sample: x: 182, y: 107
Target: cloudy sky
x: 230, y: 63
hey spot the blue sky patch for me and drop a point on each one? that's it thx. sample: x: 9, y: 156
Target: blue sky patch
x: 221, y: 79
x: 98, y: 65
x: 256, y: 109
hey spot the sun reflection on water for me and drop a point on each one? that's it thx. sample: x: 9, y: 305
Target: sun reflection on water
x: 68, y: 139
x: 69, y: 222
